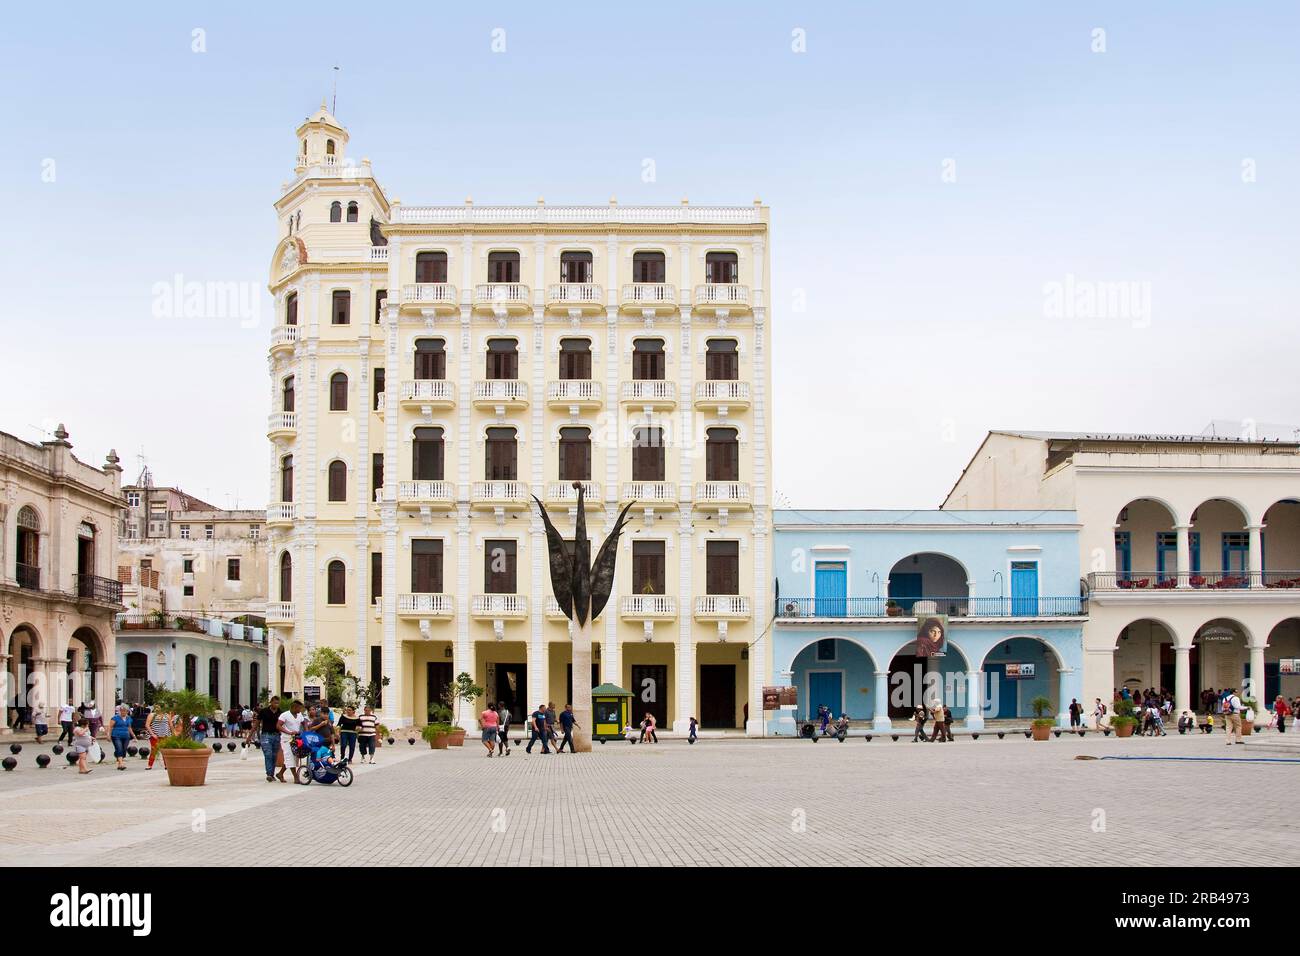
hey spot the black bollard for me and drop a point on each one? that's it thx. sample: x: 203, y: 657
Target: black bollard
x: 9, y: 763
x: 42, y: 760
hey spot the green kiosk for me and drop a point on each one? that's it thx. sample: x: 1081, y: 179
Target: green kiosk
x: 610, y: 710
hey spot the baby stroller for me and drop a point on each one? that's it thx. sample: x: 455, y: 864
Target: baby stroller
x: 319, y: 763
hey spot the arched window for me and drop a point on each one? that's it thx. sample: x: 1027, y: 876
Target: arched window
x: 286, y: 577
x: 336, y: 212
x: 234, y: 681
x: 338, y: 392
x: 503, y: 358
x: 286, y: 478
x: 430, y: 267
x: 29, y: 548
x: 304, y: 147
x: 648, y: 458
x: 329, y: 147
x: 721, y: 455
x: 254, y: 678
x: 721, y: 361
x: 575, y: 267
x: 575, y: 454
x: 291, y: 309
x: 352, y: 212
x: 648, y: 267
x: 721, y: 267
x: 336, y: 583
x: 575, y: 359
x: 191, y: 672
x: 427, y: 455
x: 430, y: 359
x: 214, y: 678
x: 648, y: 359
x: 501, y: 454
x: 338, y: 481
x: 503, y: 267
x: 287, y: 392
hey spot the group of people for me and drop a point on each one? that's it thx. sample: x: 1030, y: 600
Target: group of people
x: 941, y: 714
x: 276, y: 729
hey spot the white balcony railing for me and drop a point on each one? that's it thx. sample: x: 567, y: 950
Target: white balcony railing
x: 433, y: 605
x: 722, y: 295
x: 563, y: 491
x: 502, y: 294
x: 281, y: 512
x: 424, y: 492
x: 499, y: 605
x: 649, y: 294
x: 378, y: 253
x: 722, y: 605
x: 722, y: 492
x: 282, y: 422
x: 283, y: 335
x: 573, y: 390
x: 649, y: 492
x: 633, y: 215
x: 501, y: 390
x: 648, y: 605
x: 507, y: 492
x: 279, y: 612
x: 575, y: 293
x: 428, y: 390
x: 429, y: 293
x: 649, y: 390
x: 721, y: 391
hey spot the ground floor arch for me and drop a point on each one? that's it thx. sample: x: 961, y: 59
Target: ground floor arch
x: 1019, y: 670
x: 837, y: 673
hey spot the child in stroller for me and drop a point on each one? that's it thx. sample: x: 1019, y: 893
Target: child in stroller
x: 321, y: 764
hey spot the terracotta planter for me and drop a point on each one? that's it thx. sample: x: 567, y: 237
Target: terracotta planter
x: 457, y: 738
x: 439, y: 742
x: 186, y: 768
x: 1247, y: 727
x: 894, y: 611
x: 1124, y: 730
x: 1041, y: 732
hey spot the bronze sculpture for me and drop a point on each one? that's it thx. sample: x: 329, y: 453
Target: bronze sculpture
x: 582, y: 590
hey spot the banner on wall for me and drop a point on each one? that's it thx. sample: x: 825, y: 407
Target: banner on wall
x: 932, y: 635
x: 774, y: 698
x: 1289, y: 665
x: 1020, y: 671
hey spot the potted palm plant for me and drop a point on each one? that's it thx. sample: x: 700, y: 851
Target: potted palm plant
x: 1248, y: 707
x: 459, y: 691
x: 1123, y: 720
x: 184, y: 757
x: 892, y: 609
x: 1042, y: 726
x: 437, y: 734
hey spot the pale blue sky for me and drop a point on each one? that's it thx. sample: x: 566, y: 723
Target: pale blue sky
x: 925, y: 322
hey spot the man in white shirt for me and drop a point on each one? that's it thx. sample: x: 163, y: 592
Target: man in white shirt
x: 65, y: 722
x: 1232, y: 716
x: 290, y: 725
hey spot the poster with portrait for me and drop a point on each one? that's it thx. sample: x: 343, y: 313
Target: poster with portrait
x: 932, y: 635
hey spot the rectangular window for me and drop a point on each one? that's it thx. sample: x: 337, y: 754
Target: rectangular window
x: 430, y: 359
x: 499, y: 567
x: 648, y: 462
x: 575, y: 359
x: 341, y: 307
x: 376, y: 575
x: 376, y: 674
x: 187, y: 590
x: 133, y: 499
x: 648, y: 267
x: 826, y: 649
x: 380, y: 298
x: 187, y: 566
x: 185, y: 532
x: 721, y: 267
x: 721, y: 361
x: 501, y: 463
x: 232, y: 569
x: 377, y: 471
x: 648, y: 360
x: 648, y: 566
x: 431, y: 267
x: 722, y: 567
x: 575, y: 454
x: 721, y: 455
x: 255, y: 531
x: 426, y: 566
x: 575, y: 267
x: 379, y: 387
x: 209, y: 532
x: 503, y: 267
x: 502, y: 359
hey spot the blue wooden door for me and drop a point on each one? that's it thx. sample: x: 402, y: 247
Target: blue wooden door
x: 905, y: 589
x: 824, y: 688
x: 1024, y: 588
x: 831, y: 584
x: 1003, y: 705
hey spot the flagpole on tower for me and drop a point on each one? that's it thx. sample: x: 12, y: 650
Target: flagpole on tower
x: 334, y: 108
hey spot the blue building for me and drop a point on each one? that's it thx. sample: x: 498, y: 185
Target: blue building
x: 1000, y: 588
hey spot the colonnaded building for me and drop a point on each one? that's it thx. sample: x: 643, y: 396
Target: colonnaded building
x: 433, y: 367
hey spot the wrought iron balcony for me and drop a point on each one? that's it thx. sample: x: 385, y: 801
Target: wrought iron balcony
x: 29, y: 577
x: 92, y: 587
x: 876, y: 607
x: 1140, y: 581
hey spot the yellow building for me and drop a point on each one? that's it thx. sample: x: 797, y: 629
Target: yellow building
x: 433, y: 367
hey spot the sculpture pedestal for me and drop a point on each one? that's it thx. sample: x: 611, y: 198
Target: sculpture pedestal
x: 582, y: 686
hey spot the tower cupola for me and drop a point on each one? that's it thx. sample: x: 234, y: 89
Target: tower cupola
x: 321, y: 141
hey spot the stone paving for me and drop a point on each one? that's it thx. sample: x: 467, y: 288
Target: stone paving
x: 720, y: 802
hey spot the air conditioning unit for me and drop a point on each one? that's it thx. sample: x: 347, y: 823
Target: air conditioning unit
x: 791, y: 609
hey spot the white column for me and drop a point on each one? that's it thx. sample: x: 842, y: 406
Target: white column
x: 8, y: 693
x: 975, y: 700
x: 880, y: 721
x: 685, y: 657
x: 1256, y: 560
x: 1064, y: 680
x: 1184, y: 554
x: 1182, y: 679
x: 1257, y: 686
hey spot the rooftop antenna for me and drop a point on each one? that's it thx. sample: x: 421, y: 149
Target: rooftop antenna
x: 334, y: 108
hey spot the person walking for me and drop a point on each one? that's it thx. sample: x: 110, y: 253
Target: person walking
x: 218, y: 721
x: 65, y: 722
x: 919, y: 715
x: 1232, y: 716
x: 367, y: 733
x: 489, y: 723
x: 290, y: 724
x: 161, y: 726
x: 1076, y: 714
x: 40, y: 721
x: 692, y: 733
x: 1281, y: 712
x: 349, y: 723
x: 947, y: 723
x: 121, y: 733
x: 936, y: 713
x: 568, y: 720
x: 81, y: 741
x: 650, y: 727
x: 96, y: 720
x: 538, y: 728
x: 269, y: 736
x: 550, y: 723
x: 503, y: 728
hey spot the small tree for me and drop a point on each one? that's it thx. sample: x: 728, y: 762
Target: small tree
x: 371, y: 693
x: 461, y: 689
x: 329, y: 665
x: 185, y: 705
x: 1041, y: 705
